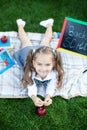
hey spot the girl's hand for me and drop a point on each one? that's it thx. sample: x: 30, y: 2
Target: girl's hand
x: 37, y: 101
x: 47, y: 101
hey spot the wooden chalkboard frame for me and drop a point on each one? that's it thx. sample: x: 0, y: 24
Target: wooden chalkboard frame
x: 73, y: 37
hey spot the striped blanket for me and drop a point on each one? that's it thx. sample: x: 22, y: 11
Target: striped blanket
x: 75, y: 76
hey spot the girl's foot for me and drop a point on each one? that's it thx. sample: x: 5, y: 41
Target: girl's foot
x: 46, y: 22
x: 20, y: 22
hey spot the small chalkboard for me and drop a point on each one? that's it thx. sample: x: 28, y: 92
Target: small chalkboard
x: 74, y: 36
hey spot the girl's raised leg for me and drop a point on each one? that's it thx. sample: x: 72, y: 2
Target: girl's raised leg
x: 48, y: 34
x: 22, y: 34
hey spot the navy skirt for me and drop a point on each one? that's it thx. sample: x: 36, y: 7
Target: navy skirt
x: 21, y: 55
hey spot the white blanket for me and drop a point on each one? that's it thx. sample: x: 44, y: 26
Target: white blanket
x: 74, y: 81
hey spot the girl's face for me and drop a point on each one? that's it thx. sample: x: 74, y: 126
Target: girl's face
x: 43, y: 64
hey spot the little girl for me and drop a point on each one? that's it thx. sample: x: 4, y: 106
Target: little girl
x: 41, y: 64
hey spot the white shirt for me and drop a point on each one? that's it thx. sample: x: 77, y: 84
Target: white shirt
x: 51, y: 86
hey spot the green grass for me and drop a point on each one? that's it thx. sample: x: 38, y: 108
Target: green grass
x: 63, y: 114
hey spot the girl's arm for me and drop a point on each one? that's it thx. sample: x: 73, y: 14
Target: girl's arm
x: 32, y: 90
x: 47, y: 100
x: 50, y: 91
x: 51, y: 87
x: 32, y: 93
x: 37, y: 101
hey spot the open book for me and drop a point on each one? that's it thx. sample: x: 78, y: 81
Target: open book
x: 6, y: 61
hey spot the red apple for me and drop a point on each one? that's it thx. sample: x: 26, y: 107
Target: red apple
x: 6, y: 62
x: 4, y: 39
x: 41, y: 111
x: 1, y: 49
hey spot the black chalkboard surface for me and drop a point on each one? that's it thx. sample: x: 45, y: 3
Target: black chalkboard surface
x: 74, y: 36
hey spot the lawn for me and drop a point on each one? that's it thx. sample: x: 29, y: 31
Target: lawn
x: 63, y: 114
